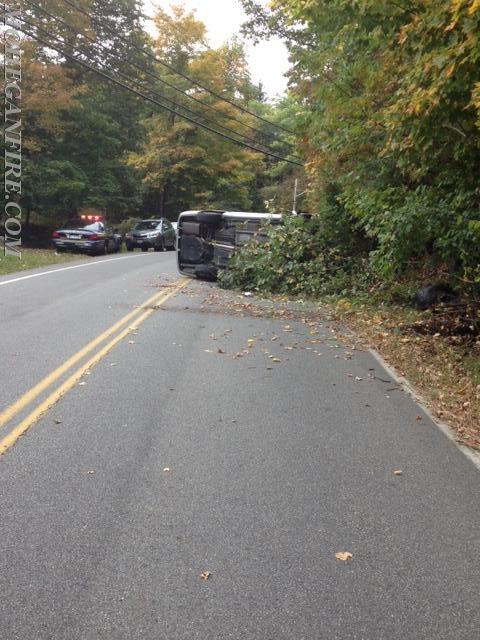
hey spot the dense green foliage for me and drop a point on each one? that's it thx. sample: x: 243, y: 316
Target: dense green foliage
x: 299, y: 257
x: 389, y: 94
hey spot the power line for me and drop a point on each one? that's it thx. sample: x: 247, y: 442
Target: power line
x: 160, y: 79
x: 171, y: 102
x: 178, y: 73
x: 147, y: 72
x: 153, y: 101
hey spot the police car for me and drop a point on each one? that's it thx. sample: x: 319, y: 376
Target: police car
x: 87, y: 234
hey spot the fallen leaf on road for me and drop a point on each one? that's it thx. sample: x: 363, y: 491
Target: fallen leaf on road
x: 397, y: 472
x: 220, y: 351
x: 276, y: 360
x: 205, y: 575
x: 167, y: 469
x: 82, y: 384
x: 343, y: 555
x: 208, y: 351
x: 58, y: 421
x: 90, y: 473
x: 131, y: 342
x: 418, y: 418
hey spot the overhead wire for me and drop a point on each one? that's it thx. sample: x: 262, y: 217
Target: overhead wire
x: 140, y: 94
x: 154, y: 76
x: 175, y: 71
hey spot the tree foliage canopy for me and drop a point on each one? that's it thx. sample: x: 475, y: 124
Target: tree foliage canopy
x: 390, y: 100
x: 91, y: 143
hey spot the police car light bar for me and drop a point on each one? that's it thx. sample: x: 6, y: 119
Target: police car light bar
x: 96, y: 218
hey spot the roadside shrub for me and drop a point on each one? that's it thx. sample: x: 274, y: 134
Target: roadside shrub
x: 298, y: 258
x: 420, y: 224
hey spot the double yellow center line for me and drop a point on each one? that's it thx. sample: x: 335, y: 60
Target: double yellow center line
x: 129, y: 322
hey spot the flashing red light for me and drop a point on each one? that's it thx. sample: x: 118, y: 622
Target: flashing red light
x: 55, y: 234
x: 91, y: 217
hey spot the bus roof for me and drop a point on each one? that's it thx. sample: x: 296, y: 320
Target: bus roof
x: 236, y: 214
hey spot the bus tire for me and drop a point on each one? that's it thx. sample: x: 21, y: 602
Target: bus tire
x: 211, y: 218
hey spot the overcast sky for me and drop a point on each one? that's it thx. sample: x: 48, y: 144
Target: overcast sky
x: 223, y: 18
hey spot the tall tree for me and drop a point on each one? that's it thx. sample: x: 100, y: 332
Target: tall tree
x: 389, y: 101
x: 79, y: 123
x: 182, y: 165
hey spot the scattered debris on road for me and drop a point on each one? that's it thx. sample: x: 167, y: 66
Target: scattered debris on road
x: 205, y: 575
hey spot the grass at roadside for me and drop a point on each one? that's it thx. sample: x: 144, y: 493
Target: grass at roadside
x: 33, y: 258
x: 444, y: 370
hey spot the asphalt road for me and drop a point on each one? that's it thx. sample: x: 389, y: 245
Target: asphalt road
x: 217, y: 438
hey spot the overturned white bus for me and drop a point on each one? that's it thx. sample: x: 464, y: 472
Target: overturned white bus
x: 207, y: 239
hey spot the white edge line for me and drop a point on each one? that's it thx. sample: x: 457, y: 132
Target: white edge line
x: 471, y: 454
x: 76, y: 266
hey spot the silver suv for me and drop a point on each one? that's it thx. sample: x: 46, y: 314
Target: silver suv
x: 157, y: 233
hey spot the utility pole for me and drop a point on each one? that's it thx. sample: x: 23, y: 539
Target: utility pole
x: 296, y: 195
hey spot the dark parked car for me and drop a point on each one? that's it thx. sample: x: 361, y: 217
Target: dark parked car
x: 87, y: 234
x: 158, y: 234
